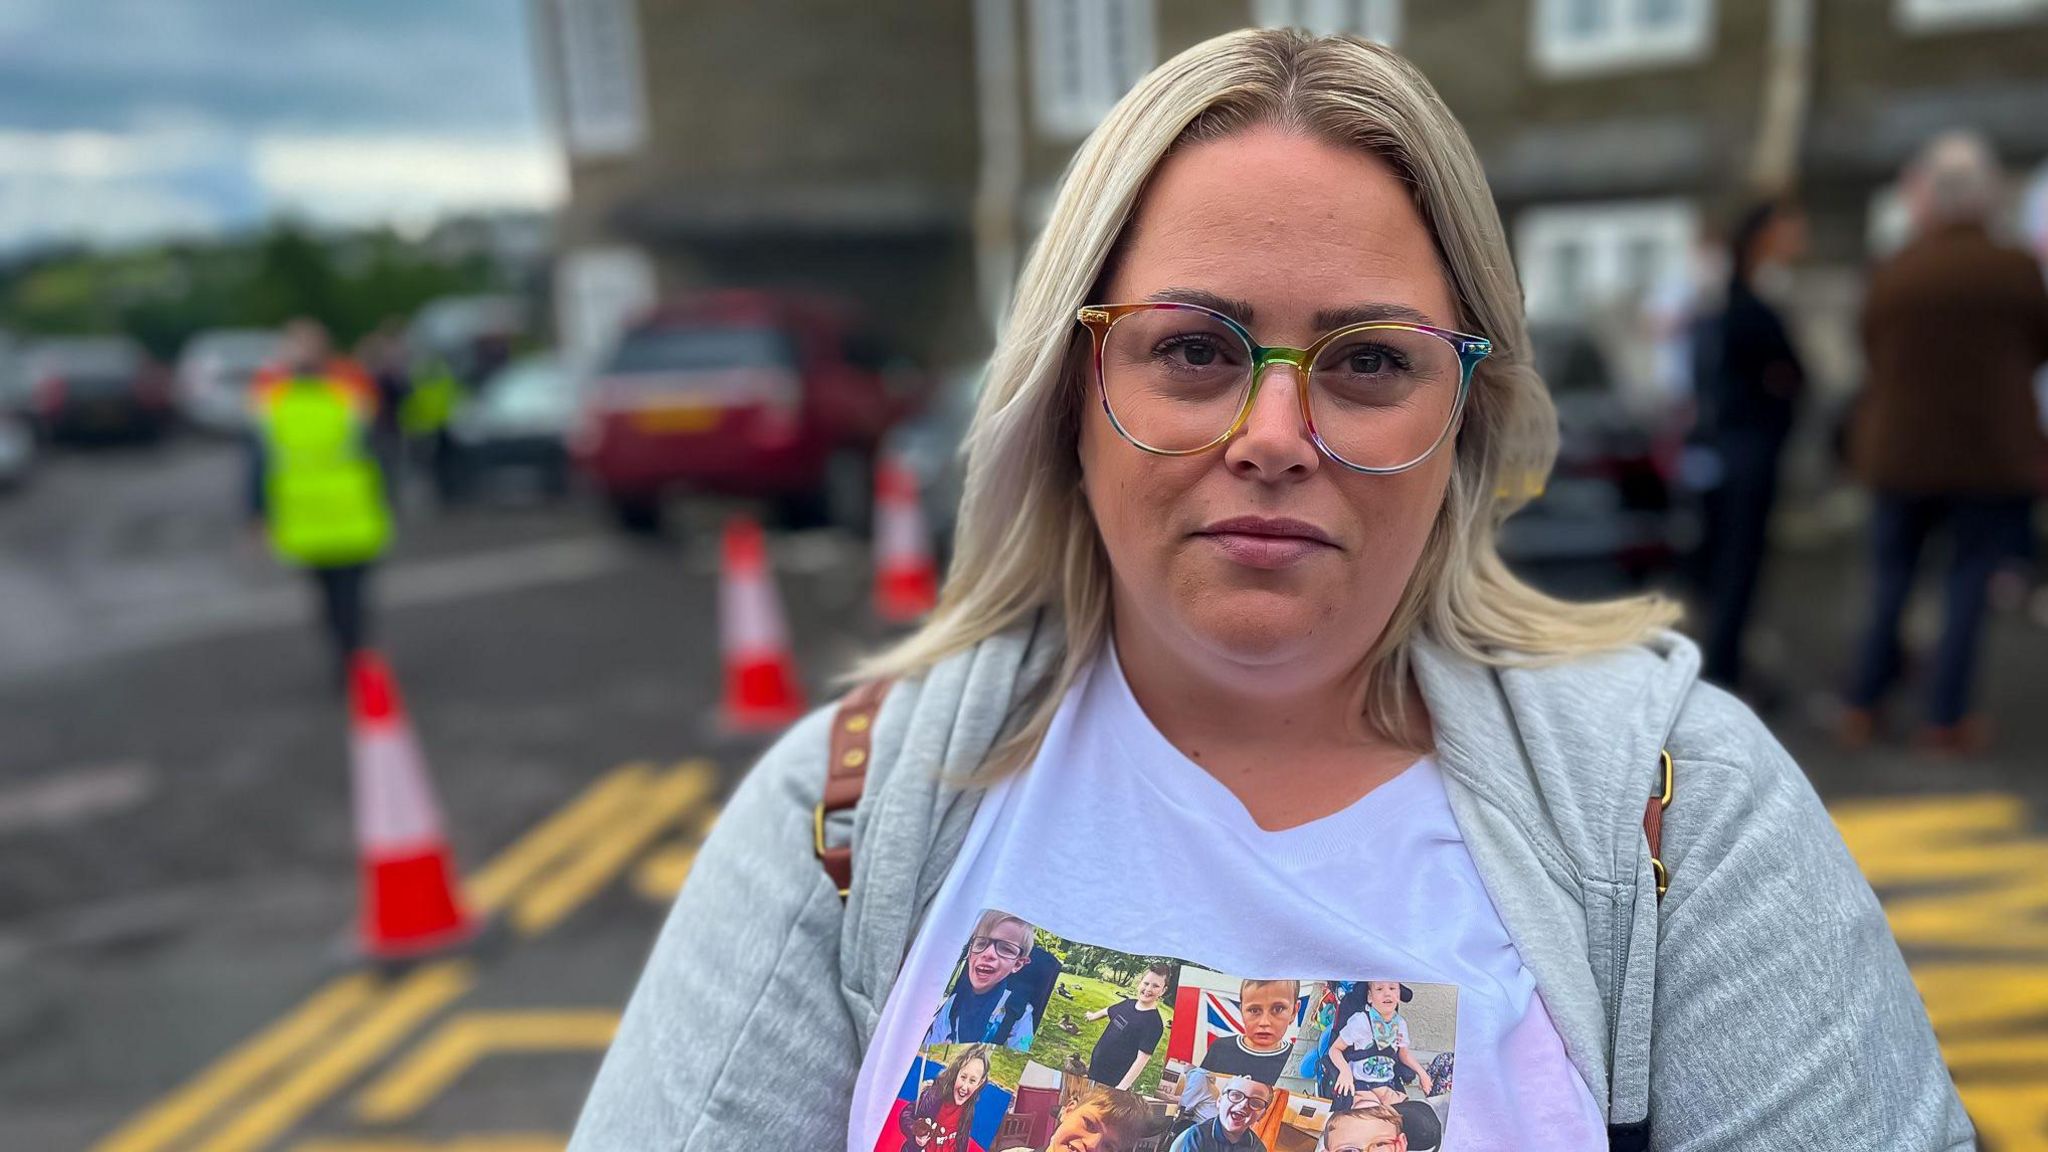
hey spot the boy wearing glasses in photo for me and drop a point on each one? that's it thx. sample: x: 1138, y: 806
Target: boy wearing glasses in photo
x: 1240, y: 1104
x: 1135, y: 1027
x: 982, y: 1007
x: 1374, y: 1129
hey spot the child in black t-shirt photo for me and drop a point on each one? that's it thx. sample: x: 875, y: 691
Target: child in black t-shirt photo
x: 1134, y: 1031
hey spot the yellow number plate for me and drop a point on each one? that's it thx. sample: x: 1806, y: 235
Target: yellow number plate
x: 694, y: 418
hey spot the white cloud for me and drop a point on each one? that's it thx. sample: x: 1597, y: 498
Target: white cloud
x: 181, y: 178
x: 363, y: 179
x: 115, y: 188
x: 112, y: 213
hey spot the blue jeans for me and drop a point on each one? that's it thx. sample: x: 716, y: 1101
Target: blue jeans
x: 1983, y: 529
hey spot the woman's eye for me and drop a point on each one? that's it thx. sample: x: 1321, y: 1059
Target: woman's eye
x: 1196, y: 353
x: 1367, y: 362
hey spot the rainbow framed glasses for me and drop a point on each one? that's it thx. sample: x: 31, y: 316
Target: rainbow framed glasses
x: 1179, y: 379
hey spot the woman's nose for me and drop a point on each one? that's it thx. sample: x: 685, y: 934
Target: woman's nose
x: 1274, y: 443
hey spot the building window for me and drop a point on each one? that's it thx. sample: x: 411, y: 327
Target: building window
x: 1580, y: 258
x: 603, y: 108
x: 598, y: 291
x: 1378, y: 20
x: 1573, y: 36
x: 1085, y: 54
x: 1939, y: 15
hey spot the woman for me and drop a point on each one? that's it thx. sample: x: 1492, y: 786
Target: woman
x: 1747, y: 407
x: 942, y: 1120
x: 1221, y: 641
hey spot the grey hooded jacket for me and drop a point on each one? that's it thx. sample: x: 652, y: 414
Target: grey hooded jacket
x: 1762, y: 1004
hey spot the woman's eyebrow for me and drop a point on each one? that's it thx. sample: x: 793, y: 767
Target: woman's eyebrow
x: 1325, y: 320
x: 1330, y: 318
x: 1238, y: 310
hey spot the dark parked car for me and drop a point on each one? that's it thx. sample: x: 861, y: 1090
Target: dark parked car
x: 516, y: 426
x: 746, y: 394
x: 98, y: 387
x: 1611, y: 514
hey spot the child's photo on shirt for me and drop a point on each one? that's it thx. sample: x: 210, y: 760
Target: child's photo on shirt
x: 999, y: 992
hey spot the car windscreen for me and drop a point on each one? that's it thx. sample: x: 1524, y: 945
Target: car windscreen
x: 529, y: 391
x: 663, y: 351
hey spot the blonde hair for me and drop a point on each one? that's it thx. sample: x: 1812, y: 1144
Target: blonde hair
x: 1026, y: 540
x: 993, y: 919
x: 1379, y: 1112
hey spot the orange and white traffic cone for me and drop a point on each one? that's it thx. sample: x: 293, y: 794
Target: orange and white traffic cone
x: 906, y: 574
x: 411, y: 903
x: 761, y: 692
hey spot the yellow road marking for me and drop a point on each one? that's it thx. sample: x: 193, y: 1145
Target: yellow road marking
x: 1964, y: 996
x: 2002, y: 918
x: 566, y: 888
x: 1936, y: 839
x: 419, y: 995
x: 660, y: 876
x: 497, y: 882
x: 1978, y: 1054
x: 2010, y: 1117
x: 460, y: 1043
x: 489, y: 889
x: 241, y: 1067
x: 502, y: 1142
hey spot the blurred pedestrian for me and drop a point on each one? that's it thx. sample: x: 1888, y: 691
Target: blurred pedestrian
x: 1746, y: 409
x: 314, y: 481
x: 436, y: 394
x: 1946, y: 435
x: 383, y: 356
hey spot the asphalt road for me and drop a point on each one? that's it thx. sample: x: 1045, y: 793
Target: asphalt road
x: 177, y: 873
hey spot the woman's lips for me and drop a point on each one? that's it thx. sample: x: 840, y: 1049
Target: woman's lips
x: 1267, y: 542
x: 1258, y: 551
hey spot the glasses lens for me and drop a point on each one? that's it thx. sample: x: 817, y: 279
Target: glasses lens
x: 1003, y: 948
x: 1174, y: 377
x: 1234, y: 1098
x: 1382, y: 397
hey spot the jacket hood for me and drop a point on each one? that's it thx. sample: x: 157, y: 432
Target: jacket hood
x: 1570, y: 750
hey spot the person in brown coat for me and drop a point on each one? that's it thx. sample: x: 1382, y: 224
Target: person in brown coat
x: 1946, y: 434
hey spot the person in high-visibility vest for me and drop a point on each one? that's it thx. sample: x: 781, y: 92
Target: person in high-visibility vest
x: 315, y: 485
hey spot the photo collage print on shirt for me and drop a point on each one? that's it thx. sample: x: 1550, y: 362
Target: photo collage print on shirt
x: 1042, y: 1044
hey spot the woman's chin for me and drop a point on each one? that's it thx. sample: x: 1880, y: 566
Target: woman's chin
x: 1257, y: 627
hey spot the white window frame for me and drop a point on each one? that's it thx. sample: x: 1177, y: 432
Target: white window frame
x: 1375, y: 20
x: 1957, y: 15
x: 603, y: 100
x: 598, y: 291
x: 1623, y: 41
x: 1085, y: 54
x: 1604, y: 232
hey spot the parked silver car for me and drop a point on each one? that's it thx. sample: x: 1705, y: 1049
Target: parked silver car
x: 214, y: 372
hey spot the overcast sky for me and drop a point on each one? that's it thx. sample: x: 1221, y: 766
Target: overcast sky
x: 124, y: 119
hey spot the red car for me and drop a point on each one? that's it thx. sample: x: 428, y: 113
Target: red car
x: 745, y: 394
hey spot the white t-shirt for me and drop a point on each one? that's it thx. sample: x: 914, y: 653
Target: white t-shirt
x: 1114, y: 844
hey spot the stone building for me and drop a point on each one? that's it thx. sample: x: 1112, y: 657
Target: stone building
x: 902, y: 152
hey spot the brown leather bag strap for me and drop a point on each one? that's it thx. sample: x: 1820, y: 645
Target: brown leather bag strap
x: 1653, y: 825
x: 853, y: 735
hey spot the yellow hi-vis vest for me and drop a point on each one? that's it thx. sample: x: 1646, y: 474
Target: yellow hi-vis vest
x: 322, y: 486
x: 431, y: 403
